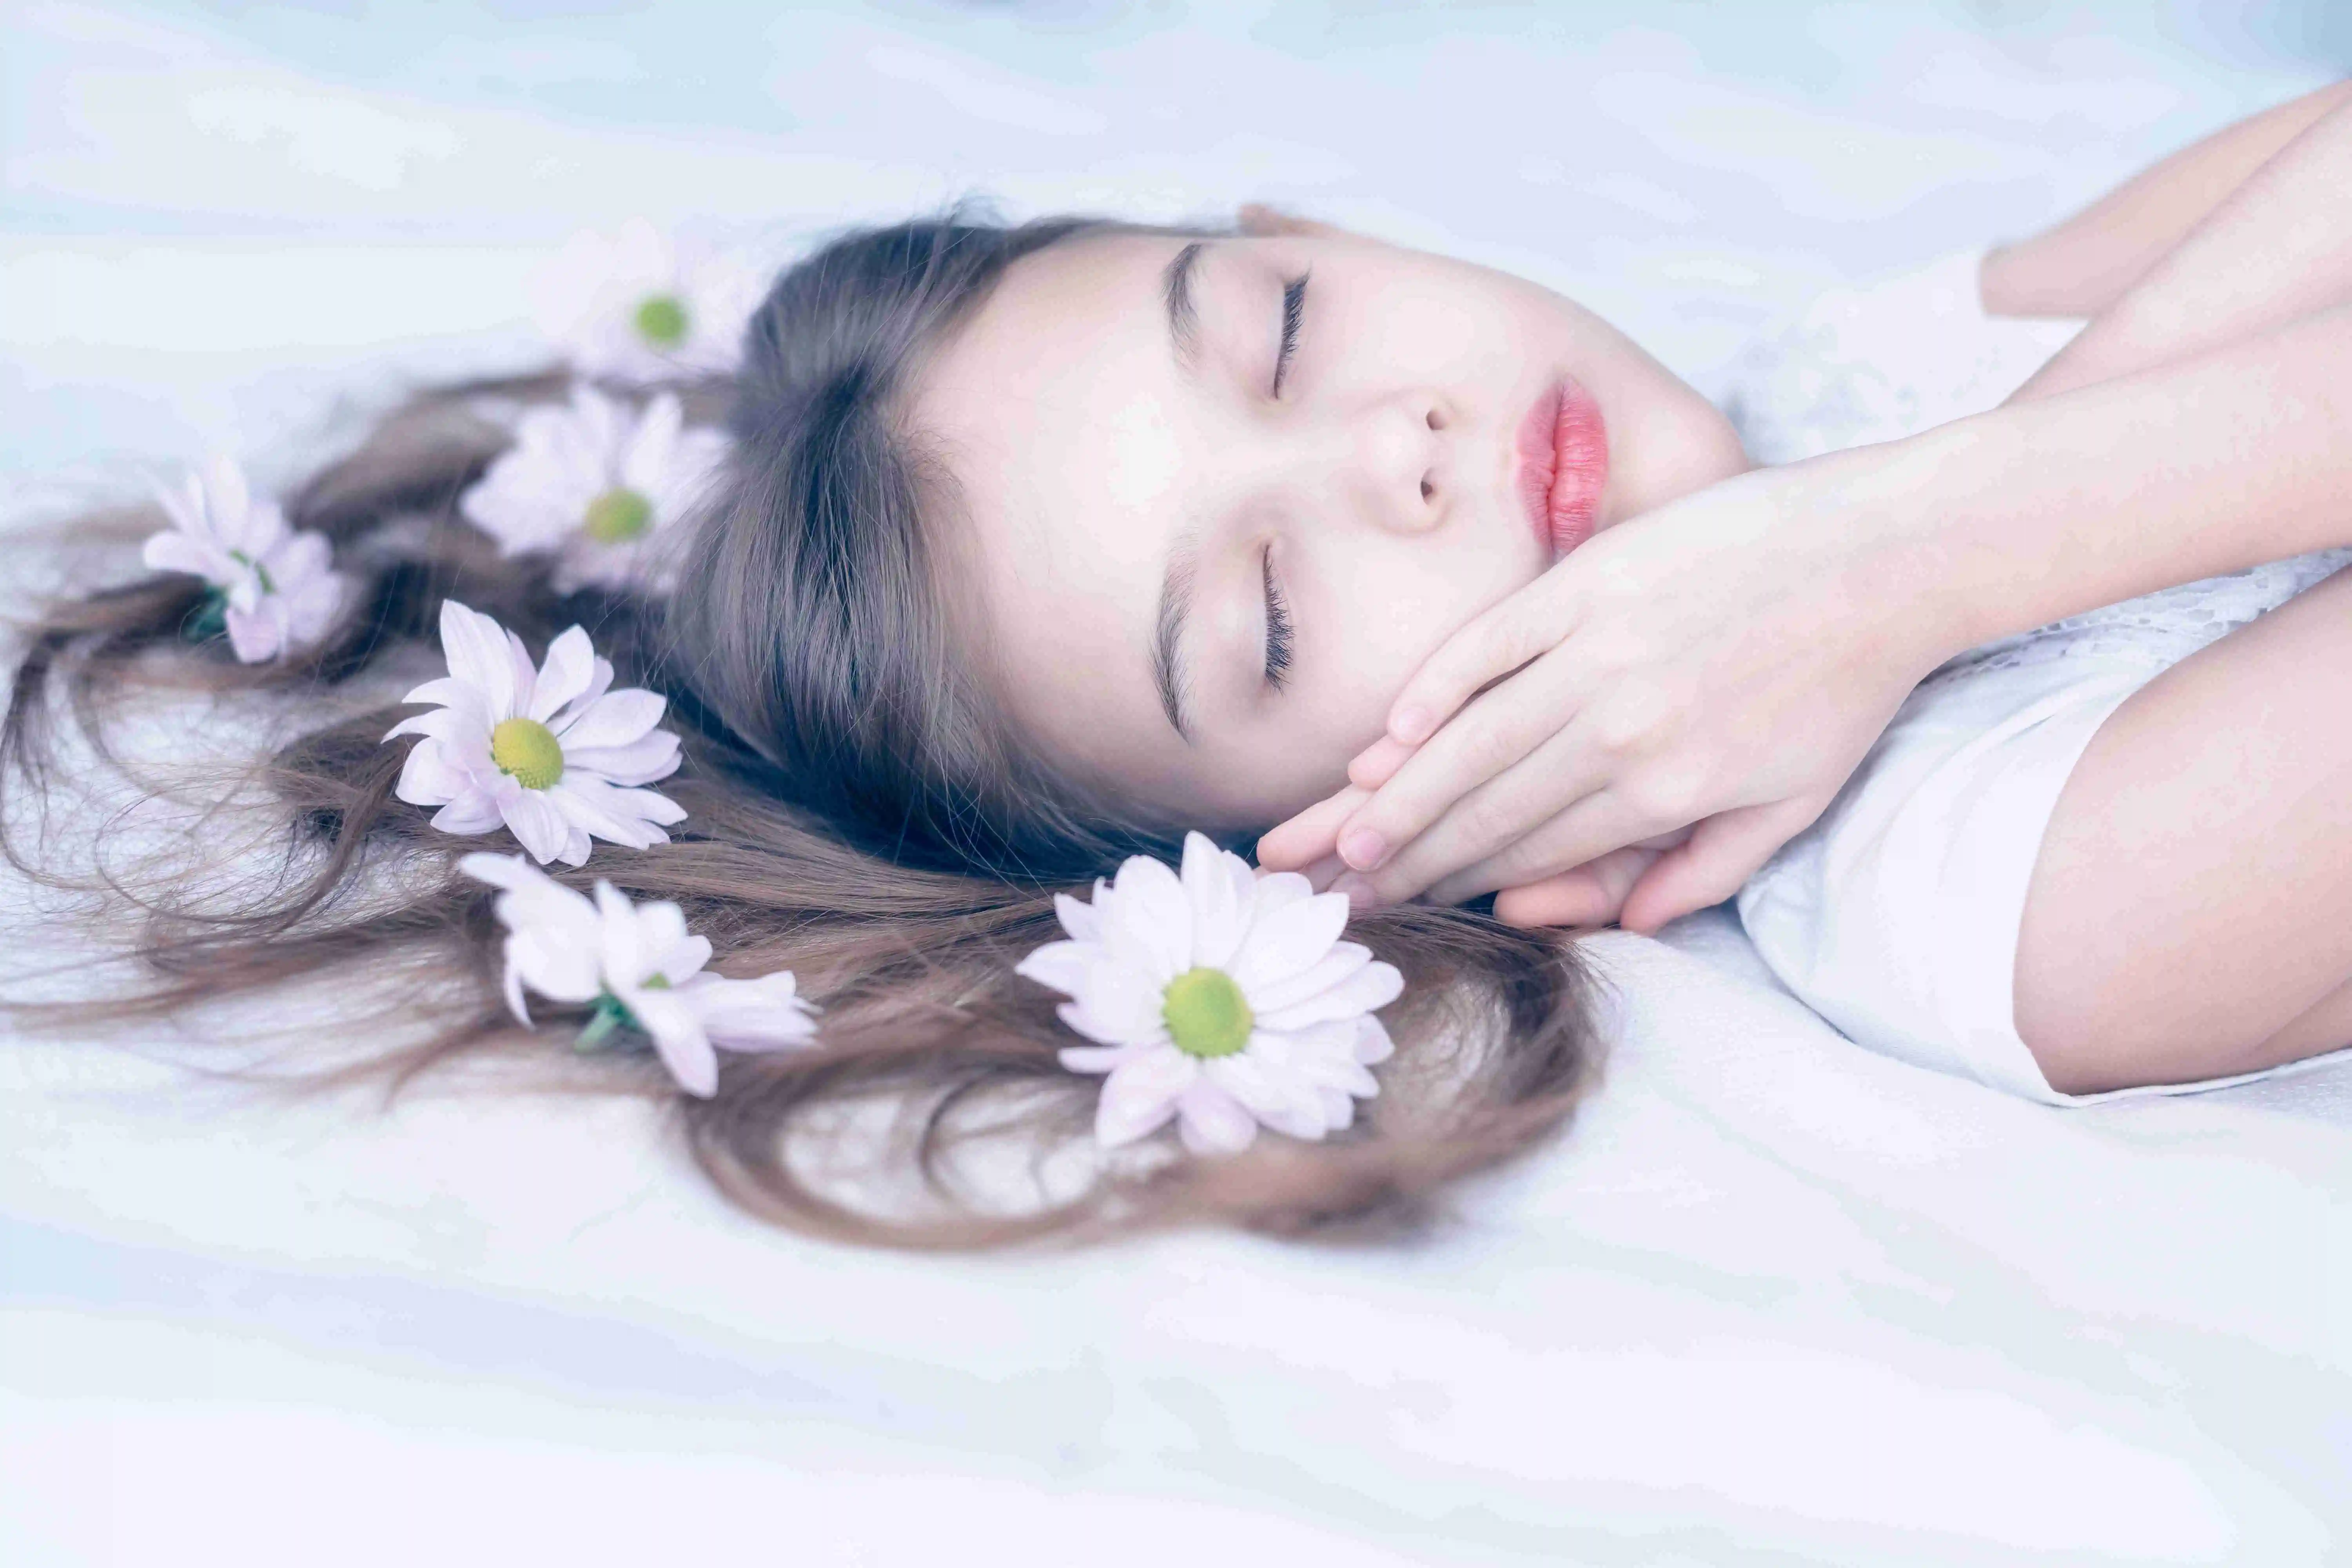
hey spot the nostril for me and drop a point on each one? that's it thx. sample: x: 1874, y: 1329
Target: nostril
x: 1435, y: 420
x: 1427, y: 489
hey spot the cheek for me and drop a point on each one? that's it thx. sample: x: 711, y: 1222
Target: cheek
x: 1391, y: 612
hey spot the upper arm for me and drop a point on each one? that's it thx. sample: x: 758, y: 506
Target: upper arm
x: 2192, y: 896
x: 2083, y: 265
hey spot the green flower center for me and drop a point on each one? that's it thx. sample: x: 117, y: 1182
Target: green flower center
x: 1206, y: 1014
x: 618, y: 516
x: 662, y: 320
x: 529, y: 751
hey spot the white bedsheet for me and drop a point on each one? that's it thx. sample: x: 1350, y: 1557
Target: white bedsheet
x: 1772, y: 1300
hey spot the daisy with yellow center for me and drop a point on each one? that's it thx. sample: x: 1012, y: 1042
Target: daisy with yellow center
x: 552, y: 753
x: 639, y: 971
x: 594, y: 483
x: 639, y: 308
x: 273, y: 588
x: 1219, y: 999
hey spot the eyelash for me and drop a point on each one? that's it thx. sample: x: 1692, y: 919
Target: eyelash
x: 1278, y: 625
x: 1293, y: 311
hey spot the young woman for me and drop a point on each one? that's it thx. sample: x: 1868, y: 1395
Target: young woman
x: 1038, y: 546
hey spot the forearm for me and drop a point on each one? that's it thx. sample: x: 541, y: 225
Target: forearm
x: 1993, y: 525
x: 2280, y: 247
x: 2087, y: 263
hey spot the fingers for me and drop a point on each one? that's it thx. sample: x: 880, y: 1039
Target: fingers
x: 1722, y: 853
x: 1480, y: 772
x: 1311, y: 835
x: 1588, y: 895
x: 1600, y: 821
x: 1504, y: 637
x: 1377, y: 763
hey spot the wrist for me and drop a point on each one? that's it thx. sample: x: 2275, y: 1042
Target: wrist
x: 1918, y: 569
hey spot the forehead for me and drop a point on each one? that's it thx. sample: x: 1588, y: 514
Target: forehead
x: 1057, y: 410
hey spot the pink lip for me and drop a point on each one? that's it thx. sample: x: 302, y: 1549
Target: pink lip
x: 1563, y: 447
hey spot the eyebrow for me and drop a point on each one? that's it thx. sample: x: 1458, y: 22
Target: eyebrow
x: 1176, y: 289
x: 1168, y: 666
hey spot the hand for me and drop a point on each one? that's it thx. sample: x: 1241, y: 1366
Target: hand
x: 1721, y: 665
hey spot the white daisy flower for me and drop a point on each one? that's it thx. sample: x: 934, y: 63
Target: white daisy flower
x: 596, y: 483
x: 273, y: 590
x: 1220, y: 998
x: 553, y: 753
x: 640, y: 968
x: 635, y: 307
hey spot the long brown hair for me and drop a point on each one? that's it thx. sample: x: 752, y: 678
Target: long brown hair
x: 858, y: 812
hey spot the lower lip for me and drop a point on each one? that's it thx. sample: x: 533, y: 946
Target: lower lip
x: 1563, y: 447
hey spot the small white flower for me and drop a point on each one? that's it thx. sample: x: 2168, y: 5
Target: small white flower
x: 640, y: 968
x: 554, y: 753
x: 1222, y: 998
x: 636, y: 308
x: 272, y: 585
x: 597, y: 484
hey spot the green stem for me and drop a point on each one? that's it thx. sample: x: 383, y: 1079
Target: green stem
x: 609, y: 1016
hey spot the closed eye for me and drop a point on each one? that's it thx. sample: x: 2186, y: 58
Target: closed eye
x: 1278, y: 625
x: 1293, y: 312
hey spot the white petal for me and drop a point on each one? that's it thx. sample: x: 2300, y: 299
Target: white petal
x: 763, y: 1015
x: 679, y: 1039
x: 469, y: 813
x: 1289, y: 938
x: 626, y: 964
x: 1282, y: 1100
x: 1097, y: 1058
x: 1344, y: 959
x: 1059, y: 964
x: 1147, y: 921
x: 1369, y: 987
x: 1116, y: 1004
x: 571, y: 664
x: 1218, y: 916
x: 255, y: 635
x: 427, y: 777
x: 614, y: 719
x: 537, y: 826
x: 641, y: 761
x: 1212, y: 1123
x: 172, y: 550
x: 1372, y: 1042
x: 1141, y: 1095
x: 526, y: 675
x: 1081, y: 920
x: 633, y: 817
x: 476, y: 647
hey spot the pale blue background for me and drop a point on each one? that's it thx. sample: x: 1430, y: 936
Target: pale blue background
x: 216, y: 220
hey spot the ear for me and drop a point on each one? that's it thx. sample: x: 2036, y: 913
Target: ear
x: 1259, y: 221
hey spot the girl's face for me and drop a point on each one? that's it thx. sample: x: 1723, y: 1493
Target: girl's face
x: 1224, y: 495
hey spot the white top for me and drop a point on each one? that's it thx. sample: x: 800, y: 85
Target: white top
x: 1896, y: 915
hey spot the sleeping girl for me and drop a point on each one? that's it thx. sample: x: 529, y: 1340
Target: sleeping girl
x: 849, y: 740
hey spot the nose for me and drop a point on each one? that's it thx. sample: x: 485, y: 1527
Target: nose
x: 1390, y: 459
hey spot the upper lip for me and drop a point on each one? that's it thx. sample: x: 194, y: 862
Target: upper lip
x: 1535, y: 446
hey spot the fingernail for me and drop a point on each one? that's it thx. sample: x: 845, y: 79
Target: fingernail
x: 1357, y: 891
x: 1363, y: 848
x: 1410, y: 725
